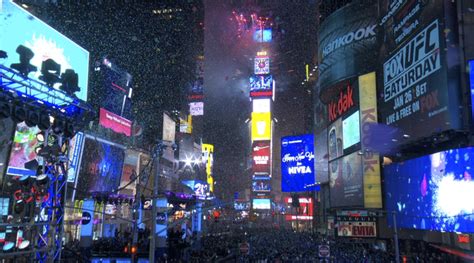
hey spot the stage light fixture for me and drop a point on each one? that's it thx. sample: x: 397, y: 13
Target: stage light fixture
x: 40, y: 136
x: 50, y: 71
x: 42, y: 179
x: 39, y: 149
x: 19, y: 114
x: 70, y: 80
x: 8, y: 246
x: 23, y: 244
x: 5, y: 109
x: 44, y: 122
x: 3, y: 54
x: 32, y: 118
x: 19, y: 206
x: 58, y: 126
x: 24, y: 67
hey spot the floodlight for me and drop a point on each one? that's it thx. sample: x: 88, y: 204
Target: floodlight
x: 50, y: 71
x: 32, y: 118
x: 70, y: 80
x: 24, y: 67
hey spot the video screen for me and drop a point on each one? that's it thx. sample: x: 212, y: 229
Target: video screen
x: 261, y: 152
x: 262, y: 36
x: 241, y: 205
x: 346, y: 182
x: 351, y: 130
x: 23, y: 150
x: 261, y: 186
x: 433, y: 192
x: 101, y: 166
x: 259, y: 83
x: 335, y: 140
x: 261, y: 204
x: 297, y: 164
x: 18, y: 27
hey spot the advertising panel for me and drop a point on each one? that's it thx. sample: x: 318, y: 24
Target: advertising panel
x: 433, y: 192
x: 20, y: 27
x: 259, y: 185
x: 261, y: 86
x: 101, y: 167
x: 345, y: 175
x: 263, y: 35
x: 75, y: 153
x: 321, y: 156
x: 118, y: 89
x: 343, y: 99
x: 261, y: 126
x: 169, y: 133
x: 261, y: 65
x: 350, y: 130
x: 304, y: 211
x: 297, y: 164
x: 200, y: 188
x: 370, y: 159
x: 261, y: 157
x: 208, y: 160
x: 23, y: 150
x: 241, y: 205
x: 356, y: 229
x: 261, y: 105
x: 261, y: 204
x: 335, y: 148
x: 348, y: 44
x: 115, y: 122
x: 196, y: 108
x: 420, y: 75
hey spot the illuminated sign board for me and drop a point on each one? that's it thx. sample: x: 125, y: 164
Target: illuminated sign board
x: 305, y: 211
x: 261, y: 204
x: 208, y: 159
x: 432, y: 192
x: 23, y: 150
x: 356, y: 229
x: 261, y: 126
x: 20, y: 27
x: 196, y: 108
x: 345, y: 100
x: 261, y: 186
x: 297, y: 164
x: 200, y: 188
x: 115, y: 122
x: 262, y: 35
x: 261, y: 105
x: 261, y: 86
x: 261, y: 152
x: 262, y: 65
x: 350, y: 130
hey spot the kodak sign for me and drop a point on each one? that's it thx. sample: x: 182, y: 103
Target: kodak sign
x: 342, y: 104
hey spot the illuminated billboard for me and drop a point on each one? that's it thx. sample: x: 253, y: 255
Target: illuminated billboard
x: 335, y: 148
x: 261, y: 105
x: 261, y: 186
x: 305, y: 211
x: 350, y: 130
x: 261, y: 85
x: 261, y: 153
x: 262, y: 35
x: 261, y: 126
x: 169, y: 135
x: 433, y: 192
x: 297, y: 164
x: 20, y: 27
x: 261, y: 204
x: 241, y: 205
x: 196, y: 108
x: 345, y: 181
x: 200, y: 188
x: 23, y: 150
x: 262, y: 65
x: 115, y: 122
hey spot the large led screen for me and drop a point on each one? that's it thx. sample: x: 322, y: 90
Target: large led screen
x: 297, y: 164
x: 261, y: 186
x: 18, y: 27
x: 241, y: 205
x: 101, y: 166
x: 261, y: 126
x: 23, y: 150
x: 264, y: 35
x: 351, y: 130
x: 433, y: 192
x: 261, y: 152
x: 345, y: 181
x: 335, y: 143
x: 262, y: 65
x: 261, y: 83
x: 261, y: 204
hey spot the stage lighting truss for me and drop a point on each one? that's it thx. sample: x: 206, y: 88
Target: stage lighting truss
x: 38, y: 95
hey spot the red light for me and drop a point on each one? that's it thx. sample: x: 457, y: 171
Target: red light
x: 134, y: 250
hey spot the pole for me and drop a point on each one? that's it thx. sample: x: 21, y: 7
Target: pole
x: 151, y: 255
x: 395, y: 237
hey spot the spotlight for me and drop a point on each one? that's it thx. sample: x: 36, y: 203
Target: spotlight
x: 24, y: 67
x: 19, y: 114
x: 19, y: 206
x: 24, y: 244
x: 42, y: 179
x: 41, y: 136
x: 39, y: 149
x: 65, y: 147
x: 8, y: 246
x: 3, y: 54
x: 24, y: 181
x: 50, y: 71
x: 70, y: 82
x: 44, y: 122
x: 58, y: 126
x: 32, y: 118
x: 5, y: 110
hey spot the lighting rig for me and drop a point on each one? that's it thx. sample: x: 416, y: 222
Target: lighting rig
x: 38, y: 202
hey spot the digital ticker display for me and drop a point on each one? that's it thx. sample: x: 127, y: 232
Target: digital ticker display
x: 18, y: 27
x: 433, y: 192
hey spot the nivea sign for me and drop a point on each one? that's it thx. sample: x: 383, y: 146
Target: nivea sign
x: 297, y: 164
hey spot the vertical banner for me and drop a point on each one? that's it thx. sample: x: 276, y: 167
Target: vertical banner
x: 371, y: 160
x: 87, y: 223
